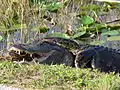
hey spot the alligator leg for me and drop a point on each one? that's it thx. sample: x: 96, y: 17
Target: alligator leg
x: 82, y: 61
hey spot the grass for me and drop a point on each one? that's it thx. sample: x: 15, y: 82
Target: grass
x: 56, y: 77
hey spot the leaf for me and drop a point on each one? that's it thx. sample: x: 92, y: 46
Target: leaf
x: 113, y: 38
x: 112, y: 33
x: 35, y: 28
x: 90, y: 7
x: 58, y: 34
x: 1, y: 38
x: 86, y: 20
x: 78, y: 34
x: 97, y: 42
x: 43, y: 29
x: 18, y: 26
x: 2, y: 27
x: 53, y: 6
x: 111, y: 1
x: 100, y: 26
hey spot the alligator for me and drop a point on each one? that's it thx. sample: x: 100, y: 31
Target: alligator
x: 43, y: 52
x: 103, y: 58
x: 53, y: 50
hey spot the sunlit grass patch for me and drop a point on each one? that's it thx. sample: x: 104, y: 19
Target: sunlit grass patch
x: 37, y: 76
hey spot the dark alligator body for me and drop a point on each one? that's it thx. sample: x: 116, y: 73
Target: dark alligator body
x: 103, y: 58
x: 54, y: 50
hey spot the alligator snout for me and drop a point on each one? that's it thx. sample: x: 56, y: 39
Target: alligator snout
x: 21, y: 55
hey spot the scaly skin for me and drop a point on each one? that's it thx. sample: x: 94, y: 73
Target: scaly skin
x: 103, y: 58
x: 67, y: 43
x: 70, y: 44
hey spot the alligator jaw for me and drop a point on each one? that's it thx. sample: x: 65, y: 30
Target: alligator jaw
x: 21, y: 56
x: 18, y: 56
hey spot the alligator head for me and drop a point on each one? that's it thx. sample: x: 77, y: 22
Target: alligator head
x: 43, y: 52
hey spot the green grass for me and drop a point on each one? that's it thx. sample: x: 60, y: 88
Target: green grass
x: 56, y: 77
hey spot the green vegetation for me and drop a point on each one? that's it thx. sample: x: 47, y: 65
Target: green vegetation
x: 56, y: 77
